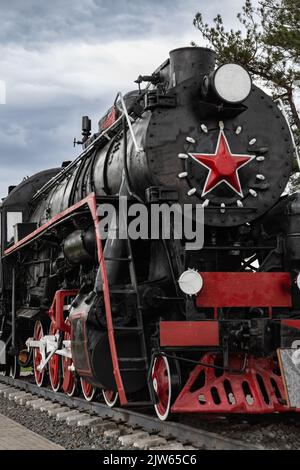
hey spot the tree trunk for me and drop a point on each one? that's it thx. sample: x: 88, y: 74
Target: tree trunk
x: 294, y: 111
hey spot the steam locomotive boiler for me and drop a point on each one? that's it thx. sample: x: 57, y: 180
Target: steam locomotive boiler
x: 158, y: 320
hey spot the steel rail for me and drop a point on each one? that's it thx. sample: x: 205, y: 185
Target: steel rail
x: 197, y: 437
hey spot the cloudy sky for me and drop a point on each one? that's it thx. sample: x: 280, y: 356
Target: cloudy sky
x: 62, y: 59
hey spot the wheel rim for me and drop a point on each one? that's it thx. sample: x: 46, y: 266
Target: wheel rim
x: 37, y: 357
x: 69, y: 380
x: 54, y: 366
x: 88, y: 390
x: 161, y: 379
x: 110, y: 397
x: 15, y: 368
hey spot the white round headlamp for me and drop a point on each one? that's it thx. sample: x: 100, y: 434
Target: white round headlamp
x: 190, y: 282
x: 232, y: 83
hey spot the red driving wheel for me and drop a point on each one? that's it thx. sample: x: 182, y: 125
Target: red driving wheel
x: 161, y: 380
x: 69, y: 378
x: 166, y: 384
x: 88, y: 390
x: 54, y: 365
x: 110, y: 397
x: 40, y: 376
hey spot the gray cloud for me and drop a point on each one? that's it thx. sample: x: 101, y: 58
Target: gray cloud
x: 34, y: 22
x: 66, y: 58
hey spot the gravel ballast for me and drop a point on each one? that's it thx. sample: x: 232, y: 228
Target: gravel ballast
x: 277, y: 431
x: 274, y: 431
x: 69, y: 437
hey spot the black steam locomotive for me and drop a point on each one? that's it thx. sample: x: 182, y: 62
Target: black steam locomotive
x: 188, y: 329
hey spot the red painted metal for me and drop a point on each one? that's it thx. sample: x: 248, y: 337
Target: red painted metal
x: 54, y: 364
x: 90, y: 200
x: 68, y: 384
x: 161, y: 381
x: 111, y: 118
x: 245, y: 290
x: 43, y: 228
x: 110, y: 397
x: 110, y: 327
x: 56, y: 311
x: 196, y: 333
x: 88, y: 390
x: 291, y: 323
x: 223, y: 166
x: 257, y: 389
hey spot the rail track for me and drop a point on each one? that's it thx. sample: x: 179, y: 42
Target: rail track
x: 139, y: 429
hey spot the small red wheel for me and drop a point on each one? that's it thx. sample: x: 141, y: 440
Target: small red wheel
x: 54, y: 365
x: 88, y: 390
x: 40, y: 376
x: 110, y: 397
x: 161, y: 380
x: 69, y: 377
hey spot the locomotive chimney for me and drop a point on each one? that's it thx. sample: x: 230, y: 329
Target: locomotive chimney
x: 188, y: 62
x: 86, y: 128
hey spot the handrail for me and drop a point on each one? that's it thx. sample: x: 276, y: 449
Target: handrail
x: 283, y: 111
x: 125, y: 112
x: 138, y: 149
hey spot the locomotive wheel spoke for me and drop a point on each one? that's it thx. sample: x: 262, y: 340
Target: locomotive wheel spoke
x: 110, y: 397
x: 69, y: 384
x: 54, y: 366
x: 40, y: 376
x: 88, y: 390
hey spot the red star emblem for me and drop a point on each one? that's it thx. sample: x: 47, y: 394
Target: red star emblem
x: 223, y: 166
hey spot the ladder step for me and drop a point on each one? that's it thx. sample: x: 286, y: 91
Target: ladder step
x: 128, y: 328
x: 133, y: 369
x: 111, y: 258
x: 132, y: 359
x: 122, y: 291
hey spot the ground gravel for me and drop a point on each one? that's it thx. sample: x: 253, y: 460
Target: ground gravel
x: 276, y: 431
x: 69, y: 437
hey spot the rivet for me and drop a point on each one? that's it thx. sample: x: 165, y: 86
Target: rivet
x: 192, y: 191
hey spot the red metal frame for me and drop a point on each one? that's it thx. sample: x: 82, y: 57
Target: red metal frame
x: 189, y: 333
x: 111, y: 118
x: 56, y: 311
x: 90, y: 201
x: 245, y: 290
x: 291, y: 323
x: 257, y: 389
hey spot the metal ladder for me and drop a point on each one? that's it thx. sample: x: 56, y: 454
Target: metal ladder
x: 133, y: 288
x: 138, y: 328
